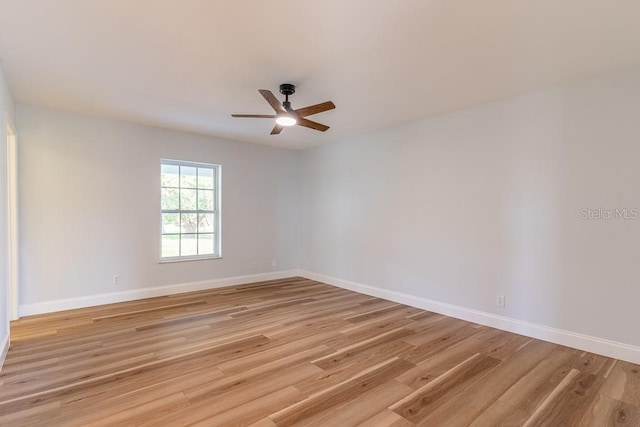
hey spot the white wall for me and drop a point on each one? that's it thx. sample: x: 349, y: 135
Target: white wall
x: 6, y: 115
x: 486, y: 201
x: 90, y: 201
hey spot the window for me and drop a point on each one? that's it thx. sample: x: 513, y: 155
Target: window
x: 190, y: 204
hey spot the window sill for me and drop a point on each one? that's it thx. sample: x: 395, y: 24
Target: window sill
x: 190, y: 258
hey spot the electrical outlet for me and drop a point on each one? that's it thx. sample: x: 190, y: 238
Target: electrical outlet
x: 274, y: 262
x: 116, y: 280
x: 500, y: 300
x: 254, y: 265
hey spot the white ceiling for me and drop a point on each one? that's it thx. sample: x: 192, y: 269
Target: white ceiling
x: 190, y: 64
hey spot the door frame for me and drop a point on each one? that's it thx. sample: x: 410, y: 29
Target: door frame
x: 12, y: 221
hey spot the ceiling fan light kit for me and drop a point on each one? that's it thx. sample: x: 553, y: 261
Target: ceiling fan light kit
x: 286, y: 120
x: 285, y: 115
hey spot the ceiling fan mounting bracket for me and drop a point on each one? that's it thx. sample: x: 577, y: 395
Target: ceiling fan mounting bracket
x: 287, y: 89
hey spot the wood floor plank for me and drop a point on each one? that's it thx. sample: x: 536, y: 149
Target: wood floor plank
x: 416, y: 406
x: 116, y: 384
x: 345, y: 352
x: 275, y: 353
x: 592, y: 363
x: 363, y: 407
x: 500, y: 414
x: 358, y: 358
x: 623, y: 383
x: 605, y: 411
x: 568, y: 405
x: 271, y: 374
x: 132, y: 314
x: 30, y: 415
x: 342, y: 392
x: 264, y: 422
x: 533, y: 387
x: 435, y: 330
x: 438, y: 360
x: 347, y: 368
x: 445, y: 341
x: 252, y: 411
x: 459, y: 410
x: 388, y: 308
x: 35, y: 385
x: 131, y: 395
x: 386, y: 418
x: 228, y: 394
x: 298, y: 352
x: 132, y: 415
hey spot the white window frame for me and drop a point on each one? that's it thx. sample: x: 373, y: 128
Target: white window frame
x: 217, y: 212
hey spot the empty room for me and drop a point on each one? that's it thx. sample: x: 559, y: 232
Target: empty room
x: 319, y: 213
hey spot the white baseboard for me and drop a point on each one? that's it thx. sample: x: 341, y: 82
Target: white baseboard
x: 134, y: 294
x: 588, y: 343
x: 4, y: 348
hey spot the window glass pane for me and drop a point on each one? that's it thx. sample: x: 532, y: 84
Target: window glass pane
x: 171, y: 245
x: 188, y: 200
x: 170, y: 199
x: 205, y: 223
x: 170, y: 223
x: 188, y: 244
x: 205, y: 178
x: 169, y: 176
x: 205, y: 244
x: 188, y: 177
x: 189, y: 223
x: 205, y: 200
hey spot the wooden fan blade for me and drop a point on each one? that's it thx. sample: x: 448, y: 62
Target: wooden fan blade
x: 315, y: 109
x: 255, y: 116
x: 272, y: 100
x: 276, y: 129
x: 311, y: 124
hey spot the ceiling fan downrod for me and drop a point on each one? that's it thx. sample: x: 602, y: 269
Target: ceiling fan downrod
x: 287, y: 89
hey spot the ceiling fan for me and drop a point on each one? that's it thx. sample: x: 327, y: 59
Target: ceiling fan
x: 285, y: 115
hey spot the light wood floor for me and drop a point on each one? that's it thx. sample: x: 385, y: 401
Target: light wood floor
x: 298, y: 352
